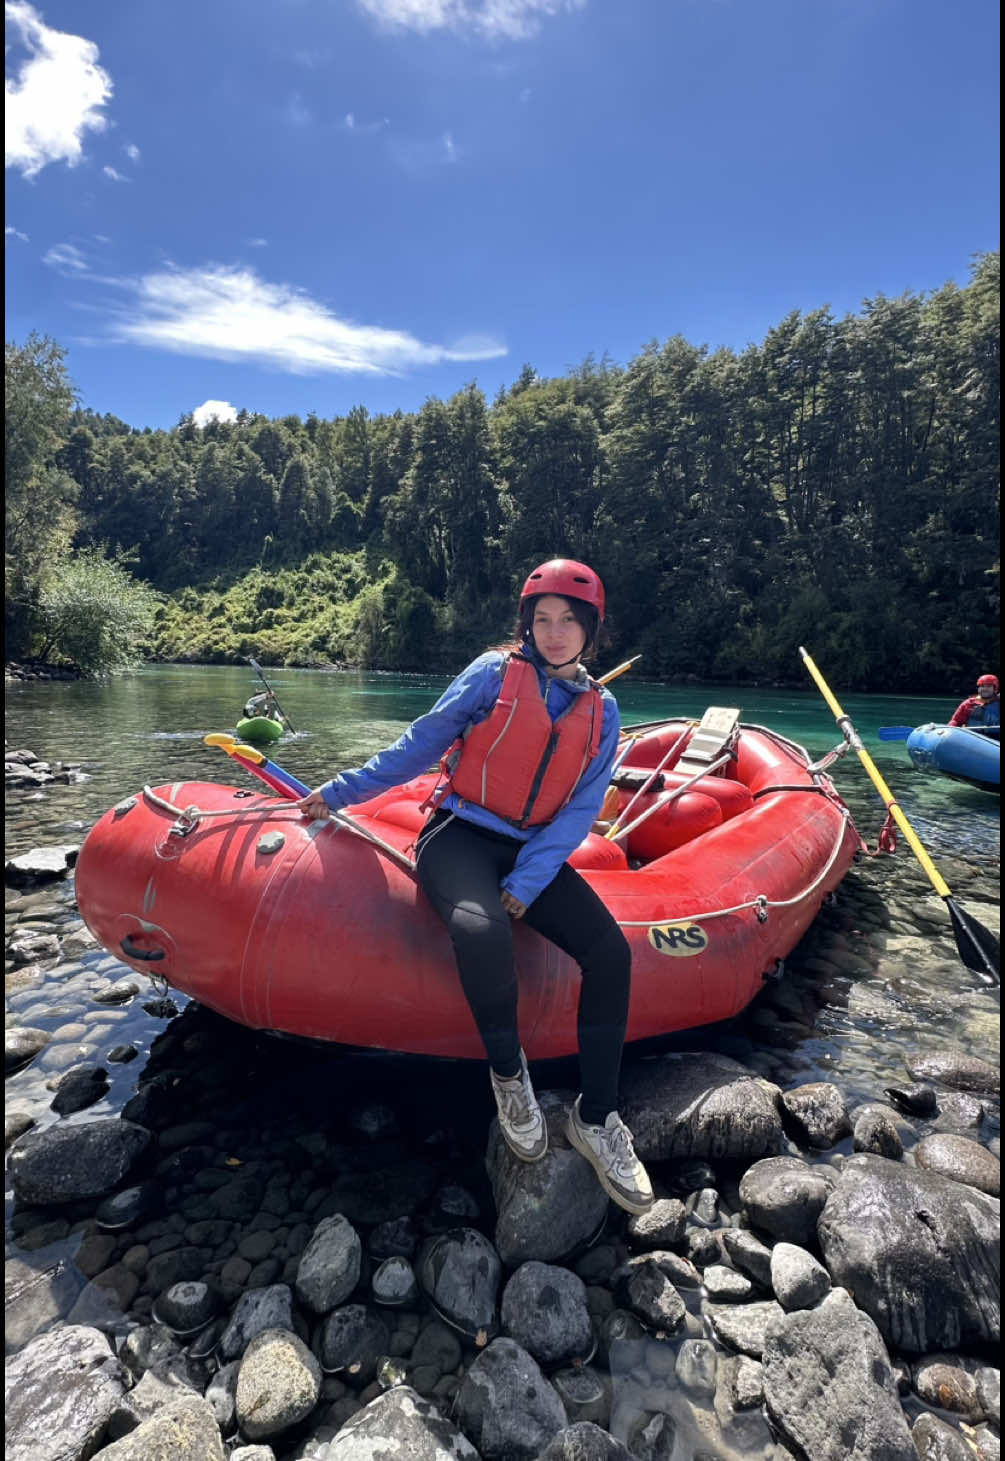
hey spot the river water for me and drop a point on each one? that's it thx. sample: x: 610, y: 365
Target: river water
x: 876, y: 979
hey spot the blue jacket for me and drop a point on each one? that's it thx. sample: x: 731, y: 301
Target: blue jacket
x: 466, y: 701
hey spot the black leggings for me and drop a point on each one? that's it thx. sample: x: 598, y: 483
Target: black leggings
x: 460, y: 867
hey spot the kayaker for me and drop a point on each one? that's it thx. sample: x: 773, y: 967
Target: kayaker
x: 984, y: 708
x: 528, y: 741
x: 264, y: 703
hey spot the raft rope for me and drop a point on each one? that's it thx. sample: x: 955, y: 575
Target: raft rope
x: 761, y: 902
x: 189, y: 817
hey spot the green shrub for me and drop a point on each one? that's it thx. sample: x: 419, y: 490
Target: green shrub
x: 95, y: 615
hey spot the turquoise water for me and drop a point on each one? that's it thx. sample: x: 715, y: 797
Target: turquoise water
x: 149, y: 728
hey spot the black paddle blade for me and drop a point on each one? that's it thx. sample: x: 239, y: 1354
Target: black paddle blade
x: 979, y: 949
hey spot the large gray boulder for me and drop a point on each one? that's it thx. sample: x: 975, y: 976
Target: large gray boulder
x: 544, y: 1309
x: 461, y: 1273
x: 547, y: 1209
x: 184, y: 1429
x: 39, y: 1288
x: 60, y: 1391
x: 919, y: 1251
x: 278, y: 1384
x: 506, y: 1407
x: 784, y: 1196
x: 68, y: 1163
x: 699, y: 1104
x: 829, y: 1385
x: 400, y: 1423
x: 329, y: 1267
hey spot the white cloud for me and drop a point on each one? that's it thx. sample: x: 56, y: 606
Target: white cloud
x: 258, y: 243
x: 213, y: 411
x: 495, y: 19
x: 132, y: 151
x: 55, y: 96
x: 11, y: 232
x: 116, y: 177
x: 229, y: 313
x: 66, y: 259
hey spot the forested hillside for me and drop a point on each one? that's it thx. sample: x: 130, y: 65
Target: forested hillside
x: 835, y: 485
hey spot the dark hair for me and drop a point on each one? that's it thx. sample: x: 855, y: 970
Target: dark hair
x: 585, y: 615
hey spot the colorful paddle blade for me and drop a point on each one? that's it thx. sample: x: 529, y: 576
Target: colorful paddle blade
x: 894, y: 732
x: 979, y: 949
x: 259, y: 765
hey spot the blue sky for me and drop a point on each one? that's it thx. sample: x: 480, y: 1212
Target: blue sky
x: 311, y: 204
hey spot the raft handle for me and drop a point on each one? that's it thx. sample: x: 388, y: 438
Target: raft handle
x: 148, y: 956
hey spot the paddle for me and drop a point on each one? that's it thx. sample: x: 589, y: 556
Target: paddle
x: 288, y: 786
x: 894, y: 732
x: 620, y: 670
x: 978, y: 947
x: 258, y: 671
x: 274, y: 776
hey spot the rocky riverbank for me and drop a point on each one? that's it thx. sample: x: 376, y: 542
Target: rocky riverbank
x: 271, y: 1250
x: 39, y: 670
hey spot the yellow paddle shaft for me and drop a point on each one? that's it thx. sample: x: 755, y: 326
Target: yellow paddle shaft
x: 851, y: 735
x: 619, y: 670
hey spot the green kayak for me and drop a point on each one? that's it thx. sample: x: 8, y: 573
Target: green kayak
x: 259, y: 728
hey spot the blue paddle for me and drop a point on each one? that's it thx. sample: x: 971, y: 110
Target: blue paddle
x: 894, y: 732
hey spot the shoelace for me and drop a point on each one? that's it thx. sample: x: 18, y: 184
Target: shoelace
x: 619, y: 1142
x: 516, y: 1104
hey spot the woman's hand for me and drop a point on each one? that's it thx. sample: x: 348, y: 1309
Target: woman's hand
x: 314, y: 806
x: 513, y: 906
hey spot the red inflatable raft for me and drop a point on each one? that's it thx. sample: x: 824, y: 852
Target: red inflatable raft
x: 314, y: 929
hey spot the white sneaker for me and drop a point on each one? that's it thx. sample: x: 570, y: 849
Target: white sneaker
x: 520, y: 1119
x: 609, y: 1151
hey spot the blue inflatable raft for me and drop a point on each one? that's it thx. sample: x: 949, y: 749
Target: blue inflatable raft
x: 965, y: 755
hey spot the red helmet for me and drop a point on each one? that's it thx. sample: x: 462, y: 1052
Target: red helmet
x: 570, y: 579
x: 991, y: 680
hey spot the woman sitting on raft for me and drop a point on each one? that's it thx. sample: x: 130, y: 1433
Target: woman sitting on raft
x: 528, y: 741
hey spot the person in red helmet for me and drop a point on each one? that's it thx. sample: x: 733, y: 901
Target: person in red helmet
x: 982, y: 709
x: 527, y: 741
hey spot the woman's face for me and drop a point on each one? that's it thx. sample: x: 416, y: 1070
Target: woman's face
x: 558, y: 634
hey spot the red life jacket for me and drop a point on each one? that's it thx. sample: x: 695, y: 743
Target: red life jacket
x: 518, y: 762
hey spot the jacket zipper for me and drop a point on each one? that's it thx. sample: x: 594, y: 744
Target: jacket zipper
x: 539, y: 777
